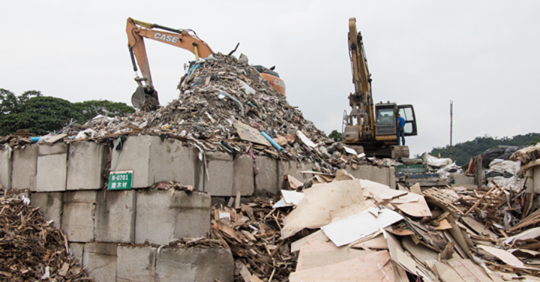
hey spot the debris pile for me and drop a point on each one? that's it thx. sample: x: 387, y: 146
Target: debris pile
x: 30, y: 248
x: 341, y: 228
x: 224, y: 104
x: 252, y: 233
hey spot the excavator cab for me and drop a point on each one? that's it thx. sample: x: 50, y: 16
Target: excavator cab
x: 386, y: 121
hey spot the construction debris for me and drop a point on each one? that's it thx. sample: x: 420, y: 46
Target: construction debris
x: 224, y: 105
x: 31, y: 249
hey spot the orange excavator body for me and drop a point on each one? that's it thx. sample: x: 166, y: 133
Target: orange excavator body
x: 182, y: 38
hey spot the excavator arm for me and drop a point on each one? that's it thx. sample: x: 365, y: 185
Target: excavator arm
x: 360, y: 121
x: 182, y: 38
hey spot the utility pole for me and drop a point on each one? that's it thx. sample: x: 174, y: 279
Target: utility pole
x: 451, y: 120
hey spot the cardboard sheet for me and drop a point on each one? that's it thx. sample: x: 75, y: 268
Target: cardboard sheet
x: 360, y: 225
x: 314, y: 210
x: 292, y: 197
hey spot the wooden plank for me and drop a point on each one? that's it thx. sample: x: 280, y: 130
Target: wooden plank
x: 250, y: 134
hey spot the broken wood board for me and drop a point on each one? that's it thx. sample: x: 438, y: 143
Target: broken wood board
x: 379, y: 242
x: 315, y: 254
x: 460, y: 270
x: 292, y: 182
x: 250, y: 134
x: 360, y: 225
x: 529, y: 234
x: 398, y: 254
x: 503, y: 255
x: 372, y: 267
x: 351, y: 210
x: 413, y: 205
x: 379, y: 191
x: 478, y: 227
x: 315, y: 236
x: 443, y: 225
x: 399, y: 231
x: 314, y: 210
x: 416, y: 189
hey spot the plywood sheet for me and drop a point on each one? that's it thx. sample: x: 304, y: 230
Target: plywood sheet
x: 360, y: 225
x: 418, y: 208
x: 249, y: 133
x: 372, y: 267
x: 321, y: 199
x: 317, y: 253
x: 315, y: 236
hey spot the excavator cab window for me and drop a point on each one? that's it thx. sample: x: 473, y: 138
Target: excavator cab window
x: 407, y: 112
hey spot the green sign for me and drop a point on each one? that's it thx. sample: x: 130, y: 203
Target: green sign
x: 120, y: 180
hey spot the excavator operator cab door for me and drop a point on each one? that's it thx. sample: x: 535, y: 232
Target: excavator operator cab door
x: 407, y: 112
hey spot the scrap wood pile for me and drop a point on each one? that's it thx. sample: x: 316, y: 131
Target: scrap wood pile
x: 30, y: 248
x: 343, y: 228
x: 224, y: 105
x: 252, y: 233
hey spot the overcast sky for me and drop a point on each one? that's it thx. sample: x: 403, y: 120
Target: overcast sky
x: 483, y: 55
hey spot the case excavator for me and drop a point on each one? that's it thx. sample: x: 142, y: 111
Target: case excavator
x: 370, y: 128
x: 145, y: 96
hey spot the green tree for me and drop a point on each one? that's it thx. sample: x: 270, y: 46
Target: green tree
x: 463, y: 152
x: 43, y: 114
x: 335, y: 135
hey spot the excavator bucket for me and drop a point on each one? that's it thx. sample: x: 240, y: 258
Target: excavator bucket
x: 137, y: 99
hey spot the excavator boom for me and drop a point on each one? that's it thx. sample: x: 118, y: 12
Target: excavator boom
x: 182, y: 38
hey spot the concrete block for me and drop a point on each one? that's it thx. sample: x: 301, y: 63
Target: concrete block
x: 5, y: 168
x: 220, y: 174
x: 194, y: 264
x: 162, y: 216
x: 100, y: 261
x: 243, y: 178
x: 115, y: 216
x: 460, y: 179
x: 85, y: 165
x: 24, y: 167
x: 293, y: 168
x: 76, y: 250
x: 78, y: 216
x: 58, y: 148
x: 51, y: 173
x: 135, y: 264
x: 153, y: 160
x: 266, y: 181
x: 383, y: 175
x: 50, y: 204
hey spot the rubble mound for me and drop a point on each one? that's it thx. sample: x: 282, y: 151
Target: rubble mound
x: 219, y: 95
x: 30, y: 248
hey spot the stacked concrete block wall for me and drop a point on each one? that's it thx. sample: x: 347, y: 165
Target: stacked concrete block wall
x: 67, y: 182
x: 383, y: 175
x: 144, y: 263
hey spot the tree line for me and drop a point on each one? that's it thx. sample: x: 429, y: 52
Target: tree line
x: 463, y: 152
x: 41, y: 114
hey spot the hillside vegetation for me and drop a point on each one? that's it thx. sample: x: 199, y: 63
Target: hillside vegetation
x: 462, y: 152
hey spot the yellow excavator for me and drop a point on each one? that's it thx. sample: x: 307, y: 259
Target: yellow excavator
x: 183, y: 38
x: 370, y: 128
